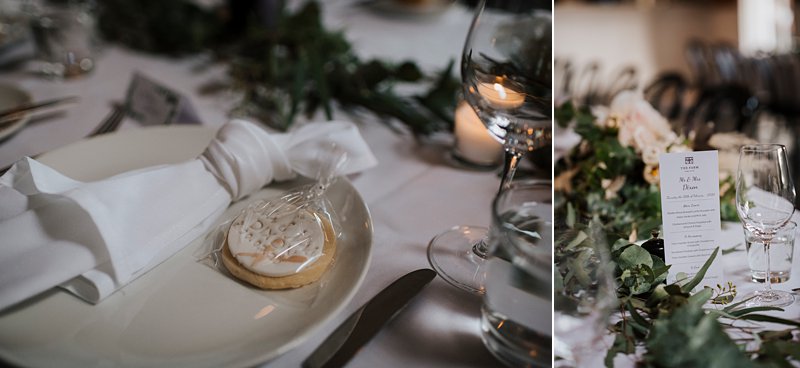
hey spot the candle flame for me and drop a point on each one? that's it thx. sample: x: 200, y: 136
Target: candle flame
x: 500, y: 96
x: 501, y: 92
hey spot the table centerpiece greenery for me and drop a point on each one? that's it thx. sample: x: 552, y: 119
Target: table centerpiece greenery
x: 607, y: 192
x: 284, y: 63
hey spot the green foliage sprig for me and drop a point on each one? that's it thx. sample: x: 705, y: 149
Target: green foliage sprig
x: 600, y: 157
x: 295, y: 66
x: 299, y: 66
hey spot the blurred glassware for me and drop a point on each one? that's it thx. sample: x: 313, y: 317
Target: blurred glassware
x: 584, y: 299
x: 64, y: 32
x: 506, y: 69
x: 781, y: 253
x: 515, y: 318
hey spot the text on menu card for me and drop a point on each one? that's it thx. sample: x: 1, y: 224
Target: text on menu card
x: 690, y: 213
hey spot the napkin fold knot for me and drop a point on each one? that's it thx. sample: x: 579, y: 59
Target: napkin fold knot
x: 245, y: 158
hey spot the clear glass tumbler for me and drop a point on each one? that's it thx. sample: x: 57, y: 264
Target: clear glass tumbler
x: 516, y: 315
x: 781, y: 253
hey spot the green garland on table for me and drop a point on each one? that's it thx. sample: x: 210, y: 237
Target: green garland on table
x: 673, y: 326
x: 293, y: 67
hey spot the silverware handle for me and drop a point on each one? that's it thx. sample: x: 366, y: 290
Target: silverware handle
x: 9, y: 114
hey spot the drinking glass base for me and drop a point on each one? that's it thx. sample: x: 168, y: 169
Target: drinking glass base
x: 513, y: 343
x: 777, y: 277
x: 770, y: 298
x: 451, y: 255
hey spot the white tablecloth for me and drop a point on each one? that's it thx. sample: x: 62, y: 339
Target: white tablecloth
x: 413, y: 194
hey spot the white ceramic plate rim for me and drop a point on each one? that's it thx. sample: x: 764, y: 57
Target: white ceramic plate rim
x: 187, y: 142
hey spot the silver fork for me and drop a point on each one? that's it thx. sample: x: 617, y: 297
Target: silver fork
x: 111, y: 121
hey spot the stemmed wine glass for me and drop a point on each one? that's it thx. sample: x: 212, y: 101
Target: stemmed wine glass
x: 505, y: 74
x: 765, y: 197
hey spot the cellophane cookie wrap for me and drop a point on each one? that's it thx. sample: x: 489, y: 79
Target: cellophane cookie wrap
x: 288, y: 240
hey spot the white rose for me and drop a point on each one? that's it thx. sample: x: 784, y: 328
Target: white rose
x: 640, y: 125
x: 676, y: 148
x: 650, y: 154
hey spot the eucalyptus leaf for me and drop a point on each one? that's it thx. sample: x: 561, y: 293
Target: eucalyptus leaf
x: 777, y: 335
x: 771, y: 319
x: 658, y: 294
x: 580, y: 237
x: 745, y: 311
x: 641, y: 323
x: 619, y: 245
x: 698, y: 277
x: 634, y: 256
x: 570, y: 216
x: 701, y: 297
x: 690, y: 338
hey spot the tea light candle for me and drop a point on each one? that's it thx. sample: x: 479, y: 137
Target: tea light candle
x: 474, y: 143
x: 500, y: 96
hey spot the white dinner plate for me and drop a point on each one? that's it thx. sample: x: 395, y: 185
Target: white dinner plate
x: 11, y: 96
x: 183, y: 312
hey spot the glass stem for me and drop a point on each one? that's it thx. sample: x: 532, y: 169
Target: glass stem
x: 481, y: 248
x: 510, y: 162
x: 768, y: 275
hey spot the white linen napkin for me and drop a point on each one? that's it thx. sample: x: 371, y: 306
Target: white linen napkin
x: 94, y: 238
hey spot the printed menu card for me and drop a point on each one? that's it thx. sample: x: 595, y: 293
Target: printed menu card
x: 690, y: 213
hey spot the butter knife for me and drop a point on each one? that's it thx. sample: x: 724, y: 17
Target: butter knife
x: 343, y: 343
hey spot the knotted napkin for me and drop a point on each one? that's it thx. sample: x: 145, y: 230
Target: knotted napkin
x: 94, y: 238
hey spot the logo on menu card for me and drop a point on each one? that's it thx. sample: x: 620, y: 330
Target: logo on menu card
x: 688, y: 164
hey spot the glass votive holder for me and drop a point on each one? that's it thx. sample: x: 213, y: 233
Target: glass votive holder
x: 474, y: 146
x: 781, y: 251
x: 63, y: 32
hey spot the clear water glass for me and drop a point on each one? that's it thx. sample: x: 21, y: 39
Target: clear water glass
x: 515, y: 318
x: 781, y: 254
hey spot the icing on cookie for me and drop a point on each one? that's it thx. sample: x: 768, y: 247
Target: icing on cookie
x: 276, y: 241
